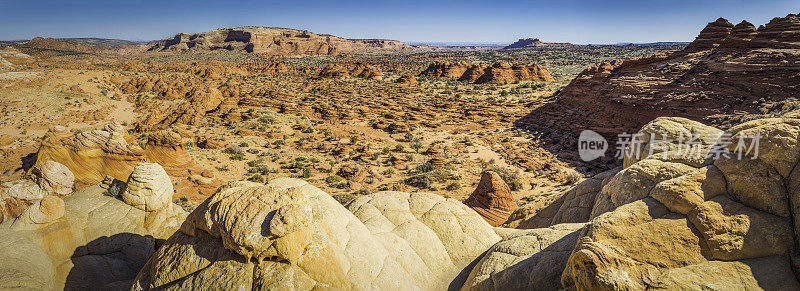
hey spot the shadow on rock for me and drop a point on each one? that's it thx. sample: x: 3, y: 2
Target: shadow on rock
x: 110, y: 262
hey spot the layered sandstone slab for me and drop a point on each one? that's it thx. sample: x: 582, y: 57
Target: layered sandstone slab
x: 93, y: 155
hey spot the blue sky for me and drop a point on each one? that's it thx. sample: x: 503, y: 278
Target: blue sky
x: 501, y: 21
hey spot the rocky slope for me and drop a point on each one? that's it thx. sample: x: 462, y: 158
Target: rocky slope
x: 668, y: 217
x: 4, y: 64
x: 271, y: 41
x: 728, y: 70
x: 11, y: 58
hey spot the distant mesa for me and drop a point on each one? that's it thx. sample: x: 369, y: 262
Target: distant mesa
x: 535, y: 43
x: 271, y: 41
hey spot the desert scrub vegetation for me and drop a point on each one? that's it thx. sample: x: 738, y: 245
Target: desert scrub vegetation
x: 425, y: 175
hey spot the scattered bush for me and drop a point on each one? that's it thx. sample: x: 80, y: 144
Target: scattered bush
x: 256, y: 178
x: 511, y: 178
x: 453, y: 186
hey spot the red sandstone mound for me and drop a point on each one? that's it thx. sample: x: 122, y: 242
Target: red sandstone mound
x: 407, y: 79
x: 331, y: 71
x: 445, y: 70
x: 492, y: 199
x: 711, y: 36
x: 473, y: 73
x: 505, y: 72
x: 366, y: 71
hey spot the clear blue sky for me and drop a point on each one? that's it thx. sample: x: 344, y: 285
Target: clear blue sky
x: 501, y: 21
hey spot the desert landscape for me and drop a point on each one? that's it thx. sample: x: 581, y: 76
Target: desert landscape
x: 264, y: 158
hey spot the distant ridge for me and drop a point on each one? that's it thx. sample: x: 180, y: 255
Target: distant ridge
x: 86, y: 40
x: 101, y: 41
x: 649, y: 43
x: 535, y: 43
x: 458, y: 44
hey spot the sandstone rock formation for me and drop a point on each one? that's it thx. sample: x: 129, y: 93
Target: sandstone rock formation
x: 148, y: 187
x: 711, y: 36
x: 332, y: 71
x: 445, y: 70
x: 271, y: 41
x: 670, y: 218
x: 672, y: 215
x: 473, y: 73
x: 525, y: 259
x: 166, y: 148
x: 91, y: 155
x: 86, y: 240
x: 40, y: 190
x: 501, y: 72
x: 290, y: 235
x: 573, y: 206
x: 697, y: 82
x: 504, y: 73
x: 366, y: 71
x: 492, y: 199
x: 407, y: 79
x: 53, y: 178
